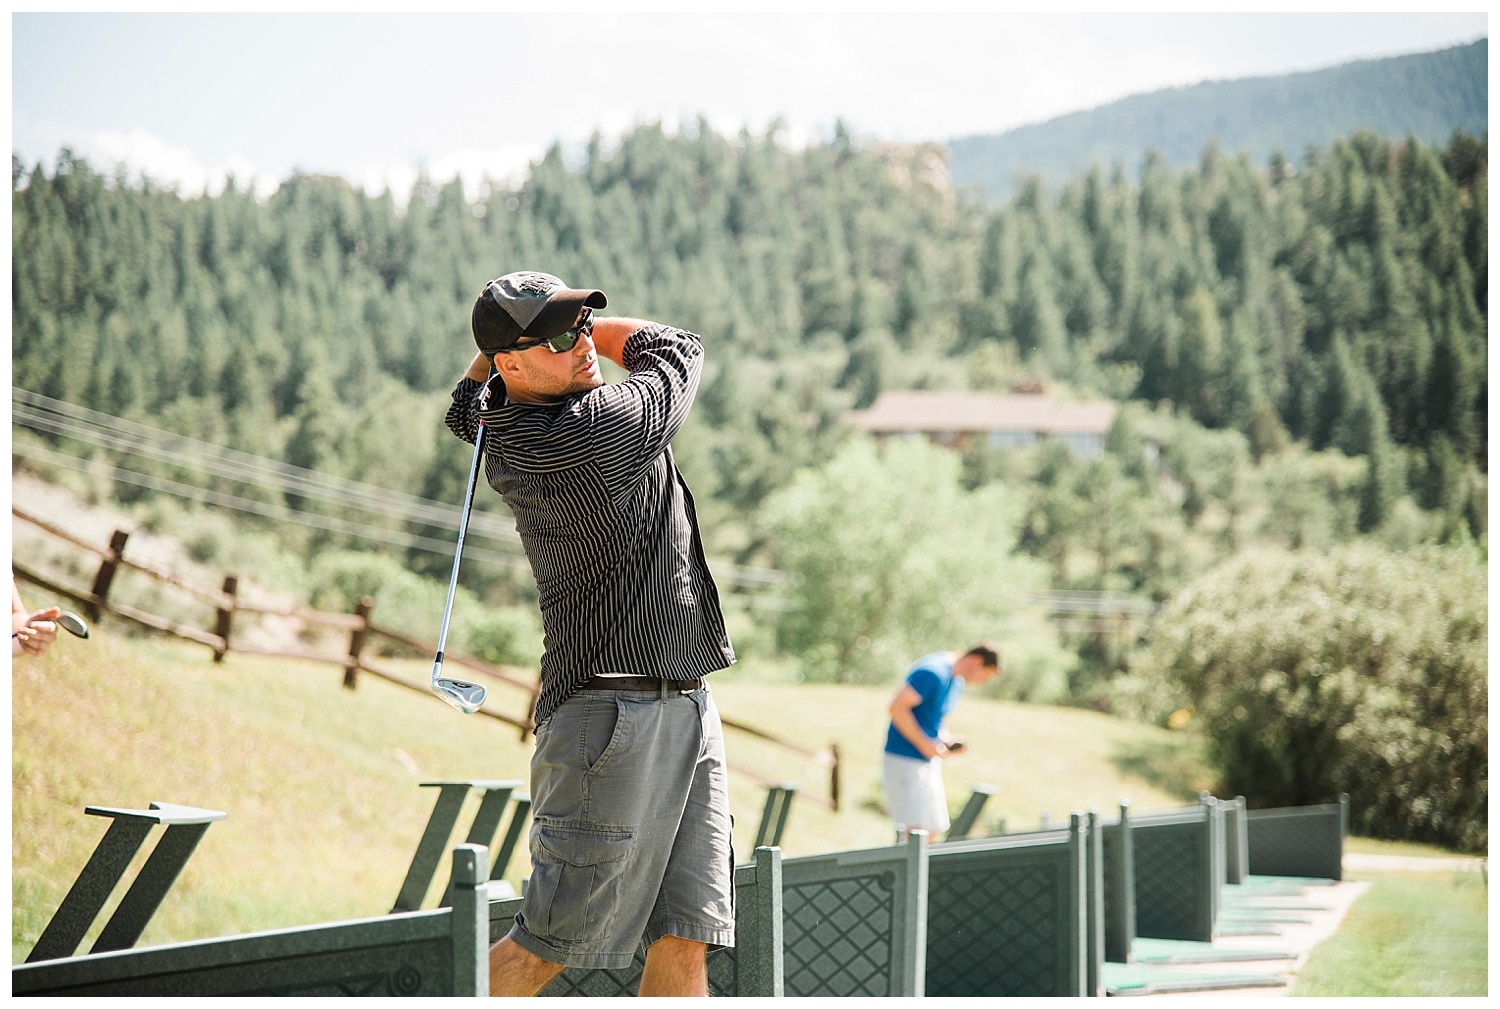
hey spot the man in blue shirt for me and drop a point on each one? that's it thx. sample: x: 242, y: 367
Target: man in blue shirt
x: 916, y: 742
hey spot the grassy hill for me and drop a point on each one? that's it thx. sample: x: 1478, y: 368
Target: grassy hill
x: 321, y: 784
x: 1427, y: 95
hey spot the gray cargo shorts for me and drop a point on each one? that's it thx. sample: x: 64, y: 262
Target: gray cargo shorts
x: 630, y: 834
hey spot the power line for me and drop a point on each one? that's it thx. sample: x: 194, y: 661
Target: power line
x: 54, y: 417
x: 280, y: 513
x: 50, y: 416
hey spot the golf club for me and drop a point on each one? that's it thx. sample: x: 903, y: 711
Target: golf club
x: 462, y: 694
x: 73, y: 624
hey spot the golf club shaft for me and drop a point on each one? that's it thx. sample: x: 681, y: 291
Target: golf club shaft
x: 463, y: 528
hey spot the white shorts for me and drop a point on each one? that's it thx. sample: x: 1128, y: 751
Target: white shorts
x: 914, y: 793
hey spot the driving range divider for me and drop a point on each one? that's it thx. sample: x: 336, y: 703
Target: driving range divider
x: 495, y: 796
x: 229, y: 607
x: 128, y: 830
x: 1050, y: 912
x: 1297, y: 841
x: 753, y: 967
x: 437, y: 952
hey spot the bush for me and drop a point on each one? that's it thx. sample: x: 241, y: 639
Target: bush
x: 508, y: 636
x: 1359, y: 671
x: 412, y: 605
x: 890, y: 558
x: 405, y: 602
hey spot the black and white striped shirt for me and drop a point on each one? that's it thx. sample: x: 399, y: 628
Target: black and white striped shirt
x: 606, y: 519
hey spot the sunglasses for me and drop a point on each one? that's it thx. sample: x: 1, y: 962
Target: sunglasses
x: 562, y: 342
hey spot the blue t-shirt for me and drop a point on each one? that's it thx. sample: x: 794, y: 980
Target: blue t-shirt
x: 932, y: 677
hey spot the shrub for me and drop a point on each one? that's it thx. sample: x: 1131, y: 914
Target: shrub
x: 506, y: 636
x: 405, y: 602
x: 890, y: 558
x: 1360, y: 671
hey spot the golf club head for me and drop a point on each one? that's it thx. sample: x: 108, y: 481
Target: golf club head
x: 73, y: 624
x: 463, y: 695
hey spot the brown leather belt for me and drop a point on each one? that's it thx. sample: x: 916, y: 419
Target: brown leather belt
x: 640, y: 683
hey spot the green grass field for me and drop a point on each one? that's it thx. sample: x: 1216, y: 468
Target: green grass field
x: 1411, y: 935
x: 321, y: 783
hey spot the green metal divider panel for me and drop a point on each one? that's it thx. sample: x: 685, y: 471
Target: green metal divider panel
x: 419, y: 953
x: 855, y: 921
x: 1174, y: 875
x: 1298, y: 840
x: 410, y: 967
x: 1236, y: 842
x: 752, y: 967
x: 1006, y: 918
x: 1119, y: 889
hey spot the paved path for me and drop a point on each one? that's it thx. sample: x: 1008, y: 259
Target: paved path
x: 1407, y: 863
x: 1297, y: 940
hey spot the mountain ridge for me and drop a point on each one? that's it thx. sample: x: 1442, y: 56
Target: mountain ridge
x: 1428, y: 95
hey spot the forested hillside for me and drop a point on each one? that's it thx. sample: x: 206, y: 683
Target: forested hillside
x: 1300, y: 350
x: 1425, y: 95
x: 1304, y: 345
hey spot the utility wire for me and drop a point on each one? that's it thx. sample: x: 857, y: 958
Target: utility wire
x: 41, y: 413
x: 126, y: 436
x: 46, y: 415
x: 280, y: 513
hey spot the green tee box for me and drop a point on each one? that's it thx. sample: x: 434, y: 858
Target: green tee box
x: 441, y: 952
x: 1151, y: 979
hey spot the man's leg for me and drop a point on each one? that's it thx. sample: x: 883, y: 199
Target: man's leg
x: 516, y: 971
x: 675, y: 967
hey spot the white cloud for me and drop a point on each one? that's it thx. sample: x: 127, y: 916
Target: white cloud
x: 473, y: 167
x: 507, y: 165
x: 145, y: 155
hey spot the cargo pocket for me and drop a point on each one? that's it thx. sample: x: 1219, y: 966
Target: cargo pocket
x: 576, y: 874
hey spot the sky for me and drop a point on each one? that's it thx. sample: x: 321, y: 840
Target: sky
x: 192, y: 98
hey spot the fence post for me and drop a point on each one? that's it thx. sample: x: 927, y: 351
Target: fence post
x: 362, y: 610
x: 471, y: 921
x: 1094, y: 871
x: 106, y: 574
x: 224, y: 620
x: 833, y: 781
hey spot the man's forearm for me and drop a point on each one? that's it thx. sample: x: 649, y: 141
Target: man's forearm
x: 610, y: 335
x: 906, y: 724
x: 479, y: 368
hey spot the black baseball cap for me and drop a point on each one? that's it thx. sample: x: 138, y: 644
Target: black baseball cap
x: 527, y: 306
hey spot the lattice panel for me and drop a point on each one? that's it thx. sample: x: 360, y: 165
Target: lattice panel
x: 723, y: 974
x: 623, y: 981
x: 626, y: 981
x: 1301, y: 843
x: 999, y: 930
x: 1170, y: 879
x: 837, y: 936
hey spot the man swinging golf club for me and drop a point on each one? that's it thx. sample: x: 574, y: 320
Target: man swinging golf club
x: 630, y: 839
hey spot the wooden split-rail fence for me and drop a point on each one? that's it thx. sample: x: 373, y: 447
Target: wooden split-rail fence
x: 229, y: 607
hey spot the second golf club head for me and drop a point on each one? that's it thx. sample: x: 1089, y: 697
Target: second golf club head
x: 73, y: 624
x: 463, y: 695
